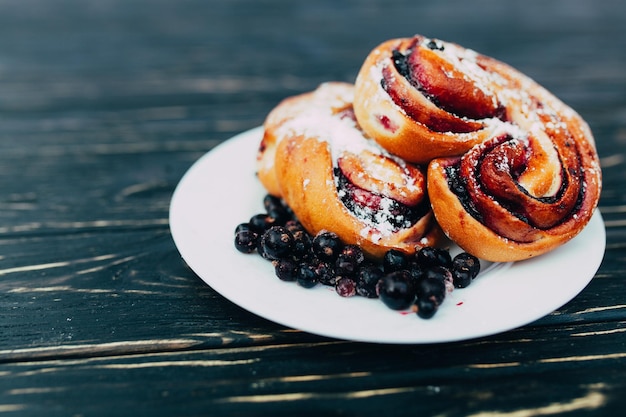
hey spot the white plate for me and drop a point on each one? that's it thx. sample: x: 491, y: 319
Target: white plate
x: 221, y: 190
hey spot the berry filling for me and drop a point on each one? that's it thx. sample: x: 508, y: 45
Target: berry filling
x: 376, y: 210
x: 435, y: 122
x: 458, y: 186
x: 446, y: 81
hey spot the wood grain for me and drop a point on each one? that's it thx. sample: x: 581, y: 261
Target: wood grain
x: 105, y: 104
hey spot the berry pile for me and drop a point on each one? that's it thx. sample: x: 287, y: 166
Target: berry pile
x: 418, y: 282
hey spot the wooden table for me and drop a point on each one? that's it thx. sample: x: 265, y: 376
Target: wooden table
x: 104, y: 105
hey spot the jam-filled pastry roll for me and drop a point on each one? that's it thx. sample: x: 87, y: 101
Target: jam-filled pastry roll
x: 423, y: 98
x: 316, y: 158
x: 529, y: 189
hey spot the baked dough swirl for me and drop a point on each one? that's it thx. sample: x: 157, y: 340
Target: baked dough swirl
x: 521, y: 193
x: 315, y: 157
x: 422, y: 99
x: 513, y: 171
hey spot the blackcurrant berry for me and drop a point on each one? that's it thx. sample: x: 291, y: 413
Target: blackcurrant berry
x: 246, y: 241
x: 294, y: 226
x: 461, y: 278
x: 307, y: 277
x: 276, y: 209
x: 466, y: 262
x: 242, y: 226
x: 354, y: 253
x: 431, y: 256
x: 430, y: 288
x: 301, y: 244
x: 324, y: 272
x: 277, y: 242
x: 396, y: 290
x: 286, y: 269
x: 395, y: 260
x: 425, y: 308
x: 327, y: 245
x: 438, y: 272
x: 345, y: 265
x: 345, y: 287
x: 260, y: 249
x: 367, y: 278
x: 416, y: 269
x: 261, y: 222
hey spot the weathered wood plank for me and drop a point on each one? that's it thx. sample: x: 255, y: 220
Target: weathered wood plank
x: 106, y: 288
x: 516, y: 373
x: 103, y: 107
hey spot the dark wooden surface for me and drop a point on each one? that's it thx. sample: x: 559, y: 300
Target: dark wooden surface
x: 104, y: 105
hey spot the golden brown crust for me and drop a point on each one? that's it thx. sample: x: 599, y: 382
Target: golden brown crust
x: 305, y: 169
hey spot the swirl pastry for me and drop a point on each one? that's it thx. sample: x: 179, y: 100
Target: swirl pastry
x: 422, y: 99
x: 315, y: 157
x: 513, y: 171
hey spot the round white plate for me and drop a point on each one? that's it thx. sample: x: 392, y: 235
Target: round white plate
x: 221, y: 190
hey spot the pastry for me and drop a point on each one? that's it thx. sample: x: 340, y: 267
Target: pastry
x: 315, y: 157
x: 422, y: 99
x: 513, y: 171
x: 523, y: 192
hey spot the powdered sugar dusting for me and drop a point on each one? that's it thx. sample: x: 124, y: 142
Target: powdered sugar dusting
x: 466, y: 61
x: 333, y: 124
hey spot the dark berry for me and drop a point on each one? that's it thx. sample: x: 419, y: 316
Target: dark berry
x: 307, y: 277
x: 294, y: 226
x: 395, y: 260
x: 345, y: 265
x: 276, y: 209
x: 327, y: 245
x: 345, y: 287
x: 286, y: 269
x: 396, y: 290
x: 466, y: 262
x: 246, y: 241
x: 241, y: 227
x: 261, y: 222
x: 431, y: 289
x: 438, y: 272
x: 301, y: 244
x: 349, y: 261
x: 416, y: 269
x: 260, y: 248
x: 324, y: 272
x: 461, y: 278
x: 431, y: 256
x: 425, y: 308
x: 367, y: 279
x: 277, y: 242
x: 354, y: 252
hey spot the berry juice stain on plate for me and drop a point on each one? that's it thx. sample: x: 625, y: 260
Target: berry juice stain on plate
x: 496, y: 300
